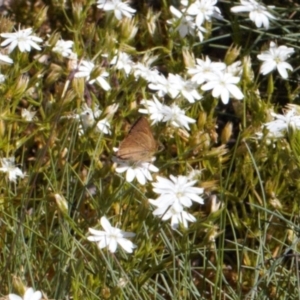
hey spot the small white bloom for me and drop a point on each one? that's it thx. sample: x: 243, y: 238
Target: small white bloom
x: 102, y: 81
x: 177, y: 190
x: 144, y: 71
x: 203, y: 10
x: 274, y: 58
x: 186, y: 88
x: 176, y: 213
x: 111, y: 237
x: 104, y: 126
x: 175, y: 194
x: 205, y: 69
x: 144, y: 68
x: 8, y: 166
x: 184, y: 24
x: 173, y: 86
x: 5, y: 59
x: 162, y: 113
x: 85, y: 69
x: 176, y: 117
x: 63, y: 48
x: 120, y: 8
x: 280, y: 126
x: 27, y: 115
x: 122, y: 61
x: 88, y: 116
x: 154, y: 108
x: 21, y: 38
x: 30, y: 294
x: 223, y: 85
x: 161, y: 86
x: 138, y: 170
x: 257, y: 12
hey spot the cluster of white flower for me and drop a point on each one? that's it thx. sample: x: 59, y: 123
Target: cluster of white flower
x: 175, y: 195
x: 282, y: 123
x: 190, y: 18
x: 217, y: 77
x: 163, y: 113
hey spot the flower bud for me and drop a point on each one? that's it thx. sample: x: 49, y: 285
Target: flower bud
x: 202, y: 119
x: 226, y: 133
x: 40, y: 17
x: 188, y: 58
x: 62, y: 204
x: 151, y: 21
x: 18, y: 285
x: 128, y: 29
x: 232, y: 54
x: 248, y: 73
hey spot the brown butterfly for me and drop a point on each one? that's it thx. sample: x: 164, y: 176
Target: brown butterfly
x: 139, y: 144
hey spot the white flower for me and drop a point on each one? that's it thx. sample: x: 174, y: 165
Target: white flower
x: 184, y: 24
x: 176, y: 117
x: 203, y: 10
x: 223, y: 85
x: 111, y: 237
x: 138, y: 170
x: 88, y: 116
x: 29, y: 295
x: 175, y: 194
x: 177, y: 190
x: 258, y: 13
x: 5, y: 59
x: 186, y: 88
x: 63, y: 48
x: 120, y: 8
x: 85, y: 69
x: 162, y: 113
x: 21, y: 38
x: 204, y: 69
x: 176, y: 213
x: 101, y: 81
x: 27, y: 115
x: 154, y: 108
x: 274, y: 58
x: 104, y: 126
x: 173, y: 86
x: 161, y: 86
x: 279, y: 127
x: 144, y: 71
x: 122, y: 61
x: 8, y: 166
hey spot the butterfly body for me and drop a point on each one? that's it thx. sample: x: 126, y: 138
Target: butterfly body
x: 139, y: 144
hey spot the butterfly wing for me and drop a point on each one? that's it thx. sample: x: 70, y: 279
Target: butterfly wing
x: 139, y: 144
